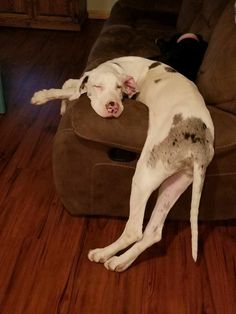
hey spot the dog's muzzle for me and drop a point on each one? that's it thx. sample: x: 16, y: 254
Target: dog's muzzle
x: 113, y: 109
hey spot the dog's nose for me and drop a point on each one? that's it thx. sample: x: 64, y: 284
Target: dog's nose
x: 112, y: 107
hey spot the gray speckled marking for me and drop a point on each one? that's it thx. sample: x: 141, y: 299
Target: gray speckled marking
x: 154, y: 64
x: 170, y: 69
x: 151, y: 162
x: 189, y: 139
x: 177, y: 118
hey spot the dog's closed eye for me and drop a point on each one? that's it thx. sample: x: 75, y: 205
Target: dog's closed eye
x: 99, y: 87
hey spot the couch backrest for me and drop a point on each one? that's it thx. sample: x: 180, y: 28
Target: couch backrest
x: 217, y: 75
x: 200, y: 16
x: 168, y: 6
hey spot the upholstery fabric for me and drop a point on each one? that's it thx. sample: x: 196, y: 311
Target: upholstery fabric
x: 217, y: 76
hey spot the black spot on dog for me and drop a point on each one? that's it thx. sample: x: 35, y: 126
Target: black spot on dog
x: 170, y: 69
x: 85, y: 80
x: 154, y: 64
x: 174, y: 142
x: 157, y: 80
x: 135, y: 96
x: 193, y: 138
x: 204, y: 126
x: 187, y: 135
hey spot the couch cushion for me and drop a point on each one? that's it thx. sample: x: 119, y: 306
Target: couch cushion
x: 130, y: 130
x: 217, y: 76
x: 200, y: 16
x: 124, y: 40
x: 131, y: 31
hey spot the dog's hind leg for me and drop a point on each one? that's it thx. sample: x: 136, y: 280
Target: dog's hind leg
x: 169, y: 192
x: 145, y: 181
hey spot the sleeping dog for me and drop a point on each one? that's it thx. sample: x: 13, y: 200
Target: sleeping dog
x: 177, y: 151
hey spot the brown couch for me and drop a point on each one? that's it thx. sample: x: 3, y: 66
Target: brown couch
x: 94, y: 158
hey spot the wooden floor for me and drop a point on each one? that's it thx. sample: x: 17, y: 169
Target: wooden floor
x: 43, y: 251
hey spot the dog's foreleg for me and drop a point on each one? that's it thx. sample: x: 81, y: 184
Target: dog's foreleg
x: 63, y: 107
x: 133, y: 228
x: 71, y: 83
x: 43, y: 96
x: 143, y: 184
x: 169, y: 192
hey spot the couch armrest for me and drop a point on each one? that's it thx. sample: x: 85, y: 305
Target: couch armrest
x: 130, y: 130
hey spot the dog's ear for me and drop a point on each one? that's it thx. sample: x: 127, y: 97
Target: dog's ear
x: 81, y: 86
x: 129, y: 86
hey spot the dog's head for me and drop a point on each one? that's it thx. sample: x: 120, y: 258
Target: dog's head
x: 105, y: 90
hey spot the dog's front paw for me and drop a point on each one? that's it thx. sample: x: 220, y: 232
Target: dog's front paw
x: 99, y: 255
x: 39, y: 98
x: 116, y: 263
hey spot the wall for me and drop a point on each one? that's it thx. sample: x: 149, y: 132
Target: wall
x: 99, y: 8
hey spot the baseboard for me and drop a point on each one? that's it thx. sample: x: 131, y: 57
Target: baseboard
x: 98, y: 14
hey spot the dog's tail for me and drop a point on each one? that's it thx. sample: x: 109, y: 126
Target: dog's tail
x: 198, y: 181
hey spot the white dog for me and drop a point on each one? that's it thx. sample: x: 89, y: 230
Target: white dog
x: 177, y: 151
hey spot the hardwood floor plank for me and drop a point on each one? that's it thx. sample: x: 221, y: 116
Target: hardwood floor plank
x: 220, y: 265
x: 42, y: 268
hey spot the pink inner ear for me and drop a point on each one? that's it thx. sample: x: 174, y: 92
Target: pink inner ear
x: 130, y: 86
